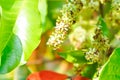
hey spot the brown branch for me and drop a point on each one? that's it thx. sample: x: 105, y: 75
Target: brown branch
x: 101, y: 9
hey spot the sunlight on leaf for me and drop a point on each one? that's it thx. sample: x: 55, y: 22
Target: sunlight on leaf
x: 8, y: 19
x: 28, y: 27
x: 0, y: 11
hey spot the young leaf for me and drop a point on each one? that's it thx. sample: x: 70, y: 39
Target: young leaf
x: 103, y: 26
x: 11, y: 55
x: 74, y: 56
x: 47, y: 75
x: 111, y: 70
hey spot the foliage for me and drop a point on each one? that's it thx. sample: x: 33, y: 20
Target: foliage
x: 74, y: 57
x: 10, y: 58
x: 112, y: 65
x: 83, y: 45
x: 47, y: 75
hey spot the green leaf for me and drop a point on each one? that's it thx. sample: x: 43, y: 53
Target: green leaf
x: 7, y: 4
x: 7, y: 21
x: 8, y: 76
x: 53, y: 9
x: 116, y: 42
x: 111, y: 70
x: 107, y: 7
x: 73, y: 56
x: 101, y: 23
x: 89, y: 70
x: 28, y: 26
x: 42, y: 7
x: 49, y: 12
x: 22, y: 72
x: 11, y: 54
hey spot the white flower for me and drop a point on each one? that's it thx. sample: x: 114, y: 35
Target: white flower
x: 77, y: 37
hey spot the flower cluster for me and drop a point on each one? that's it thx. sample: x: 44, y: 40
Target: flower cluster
x: 77, y: 37
x: 64, y: 22
x: 92, y: 55
x: 100, y: 47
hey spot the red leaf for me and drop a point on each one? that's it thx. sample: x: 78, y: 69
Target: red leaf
x: 80, y: 78
x: 34, y: 76
x: 47, y: 75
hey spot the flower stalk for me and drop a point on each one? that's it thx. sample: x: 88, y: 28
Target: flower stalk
x: 100, y: 48
x: 67, y: 18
